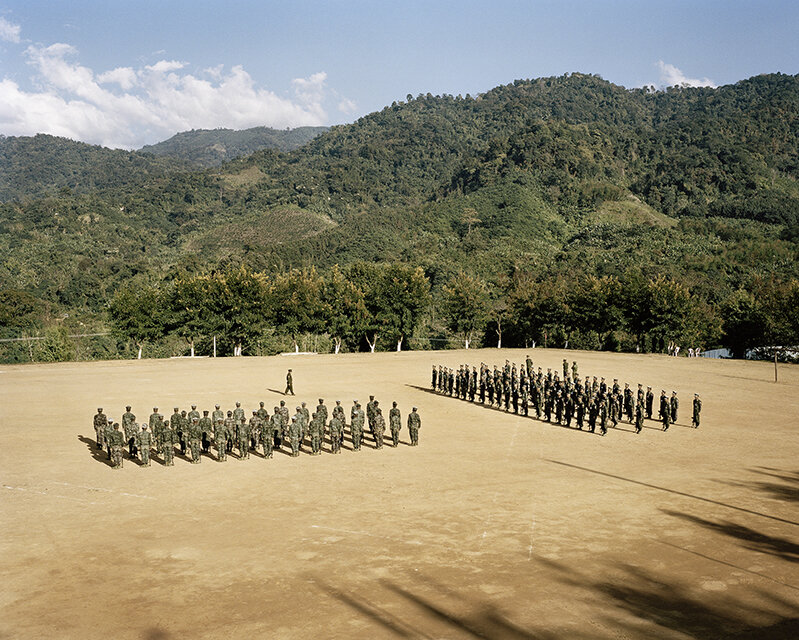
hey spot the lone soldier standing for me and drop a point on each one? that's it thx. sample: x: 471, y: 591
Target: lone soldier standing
x: 395, y: 423
x: 131, y: 429
x: 697, y: 410
x: 145, y: 442
x: 100, y: 422
x: 414, y: 424
x: 289, y: 384
x: 117, y: 442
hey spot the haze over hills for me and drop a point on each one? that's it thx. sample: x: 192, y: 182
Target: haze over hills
x: 542, y: 181
x: 212, y: 147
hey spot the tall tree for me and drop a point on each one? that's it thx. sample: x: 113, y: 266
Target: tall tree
x: 466, y: 305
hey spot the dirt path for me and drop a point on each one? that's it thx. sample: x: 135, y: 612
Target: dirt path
x: 494, y: 527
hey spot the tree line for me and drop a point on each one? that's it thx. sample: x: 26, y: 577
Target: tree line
x: 373, y: 306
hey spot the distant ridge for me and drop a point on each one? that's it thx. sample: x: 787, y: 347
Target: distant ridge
x: 213, y: 147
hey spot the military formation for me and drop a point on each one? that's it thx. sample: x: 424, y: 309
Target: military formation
x: 590, y: 403
x: 226, y: 431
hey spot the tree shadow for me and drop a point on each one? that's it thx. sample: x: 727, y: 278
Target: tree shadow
x: 753, y: 540
x: 428, y: 614
x: 99, y: 455
x: 670, y: 606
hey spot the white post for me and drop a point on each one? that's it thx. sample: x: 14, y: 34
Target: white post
x: 214, y: 346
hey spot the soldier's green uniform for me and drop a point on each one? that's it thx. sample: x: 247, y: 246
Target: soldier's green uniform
x: 379, y: 428
x: 639, y: 417
x: 116, y: 442
x: 154, y: 423
x: 207, y: 430
x: 284, y: 424
x: 230, y: 431
x: 674, y: 404
x: 336, y: 429
x: 100, y: 422
x: 697, y: 409
x: 289, y: 384
x: 176, y: 422
x: 145, y: 442
x: 395, y: 424
x: 356, y: 426
x: 665, y: 411
x: 195, y: 439
x: 131, y: 430
x: 414, y: 424
x: 294, y: 436
x: 370, y: 413
x: 108, y: 429
x: 239, y: 419
x: 316, y: 440
x: 269, y: 432
x: 220, y: 437
x: 196, y: 414
x: 244, y: 439
x: 168, y: 439
x: 255, y: 430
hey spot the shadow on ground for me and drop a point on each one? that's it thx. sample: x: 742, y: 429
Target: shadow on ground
x: 643, y: 596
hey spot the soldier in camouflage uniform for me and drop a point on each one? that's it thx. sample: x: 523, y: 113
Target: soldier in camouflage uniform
x: 154, y: 423
x: 131, y: 429
x: 370, y: 413
x: 207, y: 430
x: 336, y: 430
x: 665, y: 410
x: 244, y: 439
x: 379, y: 427
x: 220, y: 439
x: 639, y: 416
x: 414, y: 424
x: 284, y: 424
x: 294, y: 436
x: 253, y: 431
x: 116, y: 442
x: 168, y: 438
x: 239, y: 419
x: 176, y: 422
x: 100, y: 422
x: 145, y: 442
x: 268, y: 431
x: 195, y: 435
x: 230, y: 431
x: 356, y: 425
x: 395, y: 424
x: 697, y: 410
x: 316, y: 440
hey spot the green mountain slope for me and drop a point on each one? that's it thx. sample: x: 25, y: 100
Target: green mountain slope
x: 210, y: 148
x: 553, y: 179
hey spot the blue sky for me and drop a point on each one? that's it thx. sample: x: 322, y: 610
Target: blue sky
x: 125, y: 73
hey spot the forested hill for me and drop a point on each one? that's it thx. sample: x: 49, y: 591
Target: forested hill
x: 210, y: 148
x: 40, y: 165
x: 551, y: 180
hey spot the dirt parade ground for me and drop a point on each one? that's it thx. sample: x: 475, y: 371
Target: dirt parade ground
x: 495, y: 526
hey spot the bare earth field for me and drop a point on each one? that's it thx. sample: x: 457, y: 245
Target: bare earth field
x: 496, y: 526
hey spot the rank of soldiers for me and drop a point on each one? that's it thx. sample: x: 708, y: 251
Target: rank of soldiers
x: 226, y: 431
x: 589, y: 403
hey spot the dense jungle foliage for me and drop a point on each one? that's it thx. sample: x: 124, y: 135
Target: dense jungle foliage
x: 577, y: 211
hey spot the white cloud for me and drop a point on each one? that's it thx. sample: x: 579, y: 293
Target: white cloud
x: 347, y: 106
x: 9, y: 32
x: 127, y: 107
x: 671, y: 76
x: 125, y: 77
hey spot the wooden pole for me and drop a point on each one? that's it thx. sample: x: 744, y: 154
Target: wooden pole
x: 775, y: 366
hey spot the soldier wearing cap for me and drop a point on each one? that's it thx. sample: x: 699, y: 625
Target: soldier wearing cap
x: 116, y: 442
x: 697, y: 409
x: 130, y: 429
x: 289, y: 384
x: 356, y: 425
x: 145, y: 442
x: 414, y: 424
x: 395, y: 424
x: 100, y: 422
